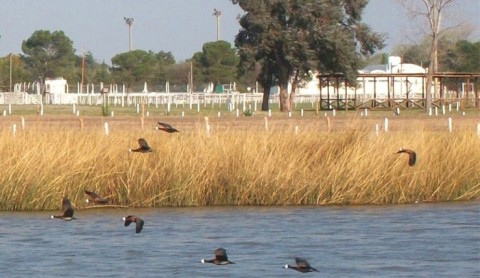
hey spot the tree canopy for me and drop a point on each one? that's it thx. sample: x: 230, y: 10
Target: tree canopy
x: 290, y: 38
x: 216, y: 63
x: 49, y: 54
x: 141, y: 66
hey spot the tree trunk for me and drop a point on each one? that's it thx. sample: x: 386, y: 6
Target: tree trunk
x: 266, y: 98
x: 283, y: 98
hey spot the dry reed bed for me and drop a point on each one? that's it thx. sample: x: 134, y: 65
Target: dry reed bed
x: 237, y: 167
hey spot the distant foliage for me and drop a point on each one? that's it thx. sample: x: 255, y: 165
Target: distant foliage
x: 49, y: 54
x: 289, y: 38
x: 217, y: 63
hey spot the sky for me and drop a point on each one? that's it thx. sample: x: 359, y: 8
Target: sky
x: 177, y: 26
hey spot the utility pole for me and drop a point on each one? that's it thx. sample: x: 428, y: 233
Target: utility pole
x: 217, y: 14
x: 10, y: 72
x: 83, y: 72
x: 129, y: 22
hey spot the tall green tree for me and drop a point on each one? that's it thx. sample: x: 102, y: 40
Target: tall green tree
x: 216, y: 63
x: 12, y: 65
x: 291, y: 38
x: 49, y: 54
x: 133, y: 67
x: 163, y: 61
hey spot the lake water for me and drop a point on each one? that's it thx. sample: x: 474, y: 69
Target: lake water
x: 422, y: 240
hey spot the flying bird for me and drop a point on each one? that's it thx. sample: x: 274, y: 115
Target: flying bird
x: 166, y: 127
x: 67, y: 211
x: 139, y: 222
x: 95, y: 198
x: 143, y: 147
x: 412, y: 156
x: 220, y: 258
x: 301, y: 265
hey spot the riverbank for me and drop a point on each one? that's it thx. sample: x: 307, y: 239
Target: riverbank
x: 241, y: 161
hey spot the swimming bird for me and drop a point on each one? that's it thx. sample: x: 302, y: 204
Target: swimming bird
x: 143, y: 147
x: 166, y: 127
x: 95, y: 198
x: 302, y: 266
x: 67, y: 211
x: 139, y: 222
x: 220, y: 258
x: 412, y: 156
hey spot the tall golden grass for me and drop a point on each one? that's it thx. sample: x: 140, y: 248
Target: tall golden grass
x: 237, y: 167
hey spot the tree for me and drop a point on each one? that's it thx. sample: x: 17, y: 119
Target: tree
x: 216, y: 63
x: 14, y: 64
x: 163, y: 61
x: 133, y: 67
x: 467, y: 56
x: 49, y: 54
x: 432, y: 11
x: 292, y: 38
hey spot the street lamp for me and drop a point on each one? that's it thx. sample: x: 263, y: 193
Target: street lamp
x: 129, y: 22
x: 217, y: 14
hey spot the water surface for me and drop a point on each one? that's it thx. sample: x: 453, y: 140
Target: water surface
x: 422, y: 240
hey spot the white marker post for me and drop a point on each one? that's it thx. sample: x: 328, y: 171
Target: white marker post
x: 105, y: 128
x: 385, y: 125
x: 450, y: 125
x: 207, y: 126
x: 14, y: 129
x: 376, y: 129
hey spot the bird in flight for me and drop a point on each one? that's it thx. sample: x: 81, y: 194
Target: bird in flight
x: 67, y: 211
x: 95, y: 198
x: 166, y: 127
x: 138, y: 221
x: 220, y: 258
x: 412, y: 156
x: 301, y: 265
x: 143, y: 147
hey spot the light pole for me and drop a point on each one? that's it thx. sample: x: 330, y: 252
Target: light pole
x: 217, y: 14
x: 129, y: 22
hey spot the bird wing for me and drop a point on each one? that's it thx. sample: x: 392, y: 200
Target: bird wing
x: 412, y: 158
x: 165, y: 125
x: 221, y: 254
x: 143, y: 144
x: 66, y: 204
x: 139, y: 225
x: 68, y: 213
x: 302, y: 262
x: 93, y: 195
